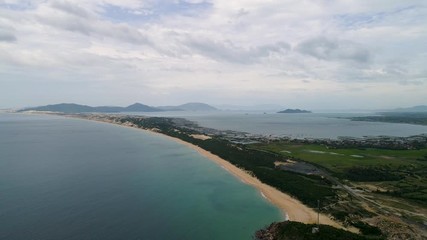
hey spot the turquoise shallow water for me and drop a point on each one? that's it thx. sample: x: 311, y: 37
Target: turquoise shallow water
x: 76, y: 179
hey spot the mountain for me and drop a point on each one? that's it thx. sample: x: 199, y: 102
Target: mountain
x: 196, y: 107
x: 138, y: 107
x: 420, y: 108
x: 189, y: 107
x: 63, y: 107
x: 294, y: 111
x: 76, y: 108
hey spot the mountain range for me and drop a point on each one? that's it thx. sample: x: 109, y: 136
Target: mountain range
x: 420, y: 108
x: 136, y: 107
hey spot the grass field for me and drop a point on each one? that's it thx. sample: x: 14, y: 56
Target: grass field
x: 402, y: 173
x: 340, y: 160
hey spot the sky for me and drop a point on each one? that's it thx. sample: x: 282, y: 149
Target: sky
x: 313, y: 54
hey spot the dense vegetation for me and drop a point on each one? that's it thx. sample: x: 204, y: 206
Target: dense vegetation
x: 367, y: 229
x: 371, y: 174
x: 403, y: 173
x: 289, y: 230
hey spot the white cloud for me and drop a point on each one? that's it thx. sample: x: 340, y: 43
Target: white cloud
x: 328, y: 49
x: 6, y: 36
x: 238, y: 50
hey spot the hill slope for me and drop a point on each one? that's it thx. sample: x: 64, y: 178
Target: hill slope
x: 62, y: 107
x: 299, y: 231
x: 138, y: 107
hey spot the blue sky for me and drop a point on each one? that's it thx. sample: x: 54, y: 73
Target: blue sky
x: 316, y: 54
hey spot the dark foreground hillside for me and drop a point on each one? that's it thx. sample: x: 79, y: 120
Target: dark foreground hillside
x: 289, y: 230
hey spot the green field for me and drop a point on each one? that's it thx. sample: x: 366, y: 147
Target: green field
x: 339, y: 160
x: 402, y: 173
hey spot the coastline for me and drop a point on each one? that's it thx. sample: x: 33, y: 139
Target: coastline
x: 291, y: 208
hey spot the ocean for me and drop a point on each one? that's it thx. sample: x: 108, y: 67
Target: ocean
x: 70, y: 179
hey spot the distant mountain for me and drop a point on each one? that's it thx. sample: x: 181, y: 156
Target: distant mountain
x: 138, y: 107
x: 76, y: 108
x: 294, y: 111
x: 189, y: 107
x: 63, y: 107
x: 420, y: 108
x: 196, y: 107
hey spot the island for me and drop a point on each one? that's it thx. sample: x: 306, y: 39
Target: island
x: 294, y: 111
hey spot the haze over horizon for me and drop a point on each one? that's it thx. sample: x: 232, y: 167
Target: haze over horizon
x: 300, y: 54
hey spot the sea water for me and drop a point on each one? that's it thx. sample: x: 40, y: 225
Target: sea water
x: 76, y: 179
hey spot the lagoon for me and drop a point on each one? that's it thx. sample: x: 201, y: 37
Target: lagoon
x: 303, y: 125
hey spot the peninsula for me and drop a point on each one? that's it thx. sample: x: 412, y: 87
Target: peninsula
x: 419, y: 118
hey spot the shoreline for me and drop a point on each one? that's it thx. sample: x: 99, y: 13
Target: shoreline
x: 291, y: 208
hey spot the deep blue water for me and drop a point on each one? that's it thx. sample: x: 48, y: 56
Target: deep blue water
x: 75, y: 179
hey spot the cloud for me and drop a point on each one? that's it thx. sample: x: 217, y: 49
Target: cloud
x: 247, y: 48
x: 334, y: 50
x: 68, y: 17
x: 226, y: 51
x: 7, y: 37
x: 70, y: 8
